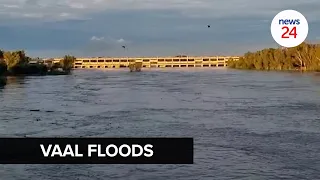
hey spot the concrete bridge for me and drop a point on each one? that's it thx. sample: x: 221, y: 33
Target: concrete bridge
x: 153, y: 62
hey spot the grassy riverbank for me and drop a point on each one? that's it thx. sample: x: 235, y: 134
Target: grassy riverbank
x: 304, y: 57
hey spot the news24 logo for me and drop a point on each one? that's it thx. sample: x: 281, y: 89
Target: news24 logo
x: 289, y: 28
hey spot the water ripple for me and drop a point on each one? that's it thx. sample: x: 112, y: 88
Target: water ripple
x: 246, y: 124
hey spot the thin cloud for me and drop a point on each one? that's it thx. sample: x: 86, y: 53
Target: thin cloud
x: 121, y: 40
x: 109, y: 40
x: 10, y: 6
x: 33, y: 15
x: 95, y: 38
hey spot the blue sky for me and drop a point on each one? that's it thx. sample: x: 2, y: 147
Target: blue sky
x: 53, y: 28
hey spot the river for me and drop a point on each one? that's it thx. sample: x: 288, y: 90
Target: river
x: 245, y: 124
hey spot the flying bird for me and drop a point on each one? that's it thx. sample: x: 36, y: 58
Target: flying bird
x: 123, y: 47
x: 209, y: 26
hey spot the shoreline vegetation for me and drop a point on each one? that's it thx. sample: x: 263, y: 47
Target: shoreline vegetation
x: 305, y: 57
x: 16, y: 63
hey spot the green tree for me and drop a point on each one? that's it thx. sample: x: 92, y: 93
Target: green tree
x: 12, y: 59
x: 258, y: 62
x: 67, y: 63
x: 23, y: 58
x: 15, y: 58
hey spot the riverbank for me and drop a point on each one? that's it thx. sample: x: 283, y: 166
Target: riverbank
x: 3, y: 78
x: 305, y: 57
x: 16, y: 63
x: 35, y: 70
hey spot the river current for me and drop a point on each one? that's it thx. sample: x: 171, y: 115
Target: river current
x: 245, y: 124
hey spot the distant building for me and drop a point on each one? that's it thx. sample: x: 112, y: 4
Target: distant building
x: 36, y: 61
x: 33, y: 62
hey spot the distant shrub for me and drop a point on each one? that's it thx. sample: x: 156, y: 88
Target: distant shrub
x: 135, y: 66
x: 138, y: 66
x: 67, y: 63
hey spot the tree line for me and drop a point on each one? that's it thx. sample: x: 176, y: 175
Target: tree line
x: 18, y: 63
x: 304, y: 57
